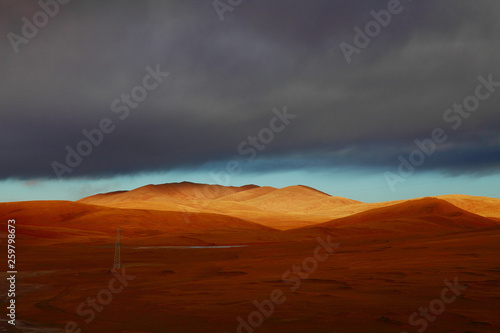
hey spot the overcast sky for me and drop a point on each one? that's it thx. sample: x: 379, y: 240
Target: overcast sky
x: 347, y: 118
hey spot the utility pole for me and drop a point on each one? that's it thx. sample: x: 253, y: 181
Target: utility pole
x: 118, y: 260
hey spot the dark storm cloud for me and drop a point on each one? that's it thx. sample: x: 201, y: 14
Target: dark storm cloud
x: 226, y: 77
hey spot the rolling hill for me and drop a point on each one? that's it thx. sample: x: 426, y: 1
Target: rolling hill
x: 419, y: 215
x: 290, y: 207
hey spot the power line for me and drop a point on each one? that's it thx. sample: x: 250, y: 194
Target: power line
x: 118, y: 260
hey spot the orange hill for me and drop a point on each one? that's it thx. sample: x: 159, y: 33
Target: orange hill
x: 63, y: 219
x: 248, y: 213
x: 295, y: 199
x: 286, y: 208
x: 175, y: 192
x: 484, y: 206
x: 419, y: 215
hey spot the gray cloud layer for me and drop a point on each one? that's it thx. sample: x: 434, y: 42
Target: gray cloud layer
x: 226, y: 77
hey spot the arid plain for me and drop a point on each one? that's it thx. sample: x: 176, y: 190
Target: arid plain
x: 208, y: 258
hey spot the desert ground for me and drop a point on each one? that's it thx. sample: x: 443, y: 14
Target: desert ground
x: 207, y: 258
